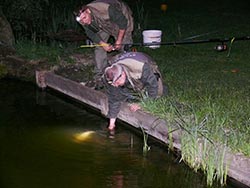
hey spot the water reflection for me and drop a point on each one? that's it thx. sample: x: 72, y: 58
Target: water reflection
x: 48, y: 143
x: 84, y: 136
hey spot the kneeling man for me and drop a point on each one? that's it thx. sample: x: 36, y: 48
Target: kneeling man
x: 131, y: 76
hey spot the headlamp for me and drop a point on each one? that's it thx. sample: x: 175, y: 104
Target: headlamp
x: 78, y: 18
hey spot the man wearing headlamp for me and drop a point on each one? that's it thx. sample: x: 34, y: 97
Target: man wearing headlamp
x: 102, y: 19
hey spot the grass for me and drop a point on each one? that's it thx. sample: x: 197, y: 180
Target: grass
x: 208, y: 90
x: 214, y: 85
x: 53, y: 52
x: 30, y: 50
x: 214, y: 90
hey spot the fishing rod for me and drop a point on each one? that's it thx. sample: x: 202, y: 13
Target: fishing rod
x: 193, y: 41
x: 94, y: 45
x: 175, y: 43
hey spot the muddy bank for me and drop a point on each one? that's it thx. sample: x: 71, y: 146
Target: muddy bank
x: 79, y: 69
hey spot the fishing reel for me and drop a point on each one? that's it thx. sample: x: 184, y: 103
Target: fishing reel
x: 220, y: 47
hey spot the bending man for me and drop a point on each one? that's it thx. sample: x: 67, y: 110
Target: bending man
x: 102, y: 19
x: 130, y: 77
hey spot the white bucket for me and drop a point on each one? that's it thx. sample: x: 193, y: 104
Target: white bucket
x: 152, y: 36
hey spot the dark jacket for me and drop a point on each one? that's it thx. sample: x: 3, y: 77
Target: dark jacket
x: 143, y: 80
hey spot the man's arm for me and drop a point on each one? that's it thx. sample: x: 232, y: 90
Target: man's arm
x: 118, y: 42
x: 118, y: 18
x: 111, y: 124
x: 115, y: 99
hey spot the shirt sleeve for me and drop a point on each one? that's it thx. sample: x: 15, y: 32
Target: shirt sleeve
x: 150, y: 81
x: 117, y: 17
x: 114, y: 100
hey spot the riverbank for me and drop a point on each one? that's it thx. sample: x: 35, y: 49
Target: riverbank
x: 15, y: 66
x: 237, y: 164
x: 63, y: 75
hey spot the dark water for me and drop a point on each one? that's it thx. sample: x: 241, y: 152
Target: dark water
x: 47, y: 142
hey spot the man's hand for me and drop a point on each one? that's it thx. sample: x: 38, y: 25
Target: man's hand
x: 134, y: 107
x: 117, y: 45
x: 107, y: 47
x: 111, y: 124
x: 118, y: 42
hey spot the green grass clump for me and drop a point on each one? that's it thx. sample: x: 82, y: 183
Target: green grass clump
x: 34, y: 51
x: 54, y: 52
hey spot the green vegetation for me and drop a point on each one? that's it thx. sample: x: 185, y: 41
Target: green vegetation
x: 53, y: 53
x: 36, y: 20
x: 30, y: 50
x: 212, y: 86
x: 208, y: 90
x: 199, y: 149
x: 146, y: 147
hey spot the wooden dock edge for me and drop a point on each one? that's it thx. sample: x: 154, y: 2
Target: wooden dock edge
x: 238, y: 164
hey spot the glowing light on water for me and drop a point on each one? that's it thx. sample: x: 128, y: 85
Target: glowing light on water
x: 84, y: 136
